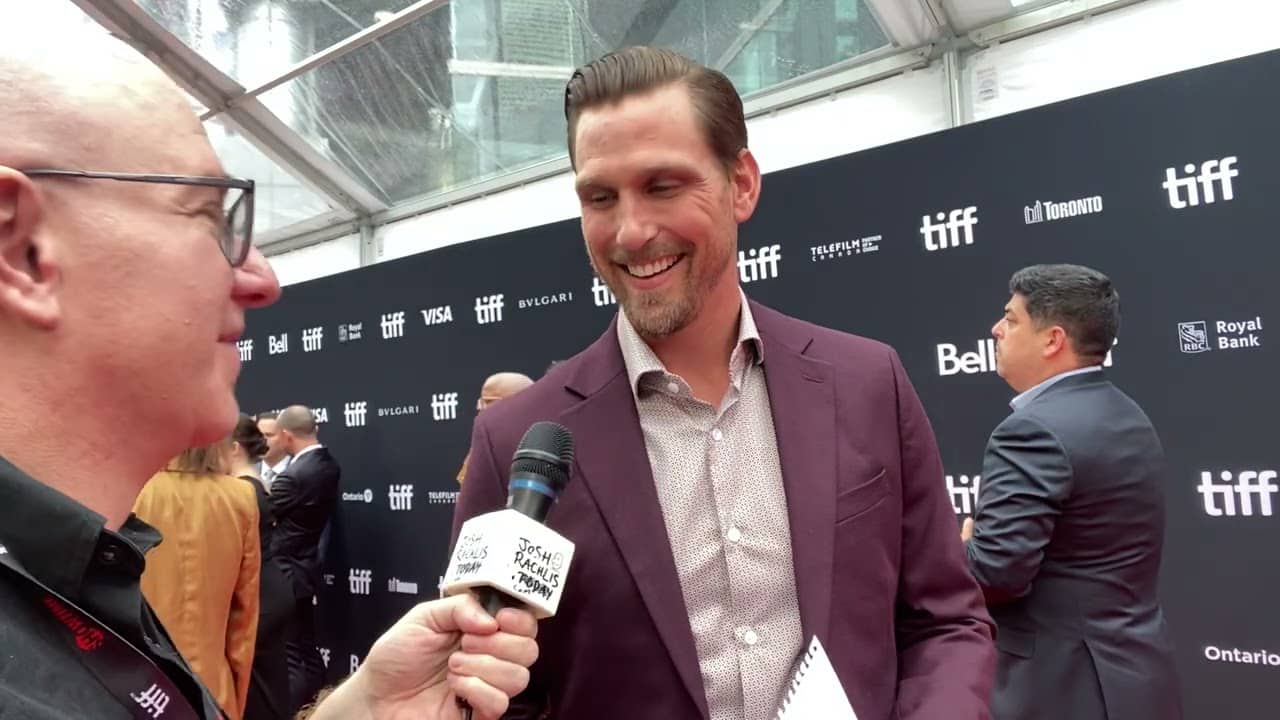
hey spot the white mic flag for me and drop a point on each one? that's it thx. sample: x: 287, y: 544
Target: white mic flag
x: 514, y: 554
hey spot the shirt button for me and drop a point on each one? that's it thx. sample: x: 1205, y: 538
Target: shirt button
x: 734, y: 535
x: 673, y: 388
x: 717, y: 435
x: 108, y: 556
x: 747, y: 636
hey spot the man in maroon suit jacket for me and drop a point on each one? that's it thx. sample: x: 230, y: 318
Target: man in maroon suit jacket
x: 744, y: 480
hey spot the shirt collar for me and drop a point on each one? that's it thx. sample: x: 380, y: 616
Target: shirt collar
x: 1025, y: 398
x: 642, y: 362
x: 54, y: 537
x: 302, y: 452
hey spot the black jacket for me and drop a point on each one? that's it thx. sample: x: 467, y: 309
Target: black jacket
x: 303, y: 498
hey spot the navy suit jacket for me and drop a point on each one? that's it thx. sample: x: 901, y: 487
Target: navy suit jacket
x: 1067, y: 542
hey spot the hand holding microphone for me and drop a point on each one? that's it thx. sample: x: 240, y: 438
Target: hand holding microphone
x: 448, y: 656
x: 509, y: 558
x: 438, y: 652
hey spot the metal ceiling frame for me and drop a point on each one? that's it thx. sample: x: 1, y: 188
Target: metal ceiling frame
x: 919, y: 31
x: 215, y: 89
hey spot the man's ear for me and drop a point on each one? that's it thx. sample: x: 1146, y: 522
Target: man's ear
x: 29, y: 270
x: 745, y: 176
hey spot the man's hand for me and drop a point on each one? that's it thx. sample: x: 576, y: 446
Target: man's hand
x: 438, y: 652
x: 966, y: 530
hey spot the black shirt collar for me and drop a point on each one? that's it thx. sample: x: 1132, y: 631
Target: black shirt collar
x: 55, y: 538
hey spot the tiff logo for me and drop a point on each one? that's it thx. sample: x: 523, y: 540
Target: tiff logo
x: 324, y: 656
x: 401, y: 497
x: 943, y: 235
x: 489, y: 309
x: 153, y: 700
x: 312, y: 339
x: 392, y: 325
x: 601, y: 293
x: 278, y: 345
x: 963, y: 490
x: 355, y: 413
x: 759, y: 264
x: 246, y: 350
x: 361, y: 581
x: 444, y: 406
x: 1190, y: 191
x: 1244, y: 487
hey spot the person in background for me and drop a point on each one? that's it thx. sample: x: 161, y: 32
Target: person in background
x: 303, y: 498
x: 275, y: 459
x: 269, y: 687
x: 1068, y: 533
x: 202, y: 580
x: 496, y: 387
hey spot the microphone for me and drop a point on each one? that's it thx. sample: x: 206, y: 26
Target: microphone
x: 510, y: 558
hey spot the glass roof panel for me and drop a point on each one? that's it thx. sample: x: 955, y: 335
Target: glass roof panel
x: 475, y: 89
x: 279, y: 198
x: 254, y: 41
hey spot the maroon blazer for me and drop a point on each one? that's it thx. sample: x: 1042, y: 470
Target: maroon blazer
x: 879, y: 568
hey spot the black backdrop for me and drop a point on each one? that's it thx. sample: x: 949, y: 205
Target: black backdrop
x: 852, y: 252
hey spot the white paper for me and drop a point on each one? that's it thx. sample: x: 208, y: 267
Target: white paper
x: 815, y: 692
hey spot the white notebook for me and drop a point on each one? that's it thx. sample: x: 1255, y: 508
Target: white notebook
x: 815, y: 692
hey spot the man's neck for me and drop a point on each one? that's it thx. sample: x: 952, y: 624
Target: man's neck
x: 700, y: 351
x: 96, y: 475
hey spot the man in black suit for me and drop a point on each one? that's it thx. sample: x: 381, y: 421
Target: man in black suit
x: 1069, y: 526
x: 303, y: 499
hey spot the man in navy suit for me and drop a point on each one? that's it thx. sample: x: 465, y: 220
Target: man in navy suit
x: 303, y: 498
x: 1067, y: 535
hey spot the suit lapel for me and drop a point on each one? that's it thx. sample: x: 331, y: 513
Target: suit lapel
x: 614, y: 465
x: 802, y: 396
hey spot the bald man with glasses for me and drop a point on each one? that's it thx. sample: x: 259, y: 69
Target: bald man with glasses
x: 126, y: 269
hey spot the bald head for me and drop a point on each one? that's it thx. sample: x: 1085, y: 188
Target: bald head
x: 86, y: 101
x: 502, y: 385
x: 297, y: 419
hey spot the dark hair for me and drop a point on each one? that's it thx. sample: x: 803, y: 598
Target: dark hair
x: 250, y: 438
x: 1079, y: 299
x: 638, y: 70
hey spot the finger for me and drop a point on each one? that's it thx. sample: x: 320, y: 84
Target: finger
x: 458, y: 613
x: 487, y: 702
x: 511, y: 678
x: 504, y: 646
x: 517, y: 621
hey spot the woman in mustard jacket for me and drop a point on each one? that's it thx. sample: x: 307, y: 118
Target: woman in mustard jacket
x: 202, y: 580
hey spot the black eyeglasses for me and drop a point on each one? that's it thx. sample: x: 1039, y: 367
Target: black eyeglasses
x: 237, y: 205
